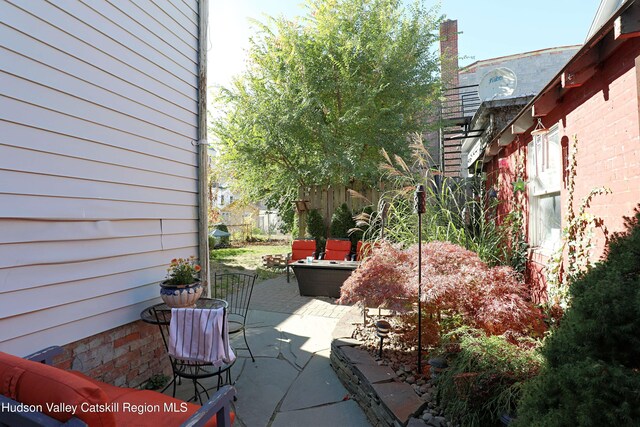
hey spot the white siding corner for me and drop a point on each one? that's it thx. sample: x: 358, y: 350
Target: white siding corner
x: 98, y: 173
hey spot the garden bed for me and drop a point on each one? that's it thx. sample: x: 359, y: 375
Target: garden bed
x: 388, y: 389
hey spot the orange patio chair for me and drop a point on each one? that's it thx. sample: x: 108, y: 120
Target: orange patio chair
x: 337, y: 249
x: 300, y: 249
x: 363, y: 249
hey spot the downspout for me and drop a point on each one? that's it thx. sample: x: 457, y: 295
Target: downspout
x: 203, y: 152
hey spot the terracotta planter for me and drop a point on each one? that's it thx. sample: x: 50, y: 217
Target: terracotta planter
x: 181, y: 296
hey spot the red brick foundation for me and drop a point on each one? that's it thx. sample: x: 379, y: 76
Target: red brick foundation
x: 124, y: 356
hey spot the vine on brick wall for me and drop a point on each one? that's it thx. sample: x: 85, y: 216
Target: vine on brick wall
x: 514, y: 221
x: 577, y: 239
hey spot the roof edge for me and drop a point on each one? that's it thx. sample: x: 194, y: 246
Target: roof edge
x: 589, y: 44
x: 521, y: 54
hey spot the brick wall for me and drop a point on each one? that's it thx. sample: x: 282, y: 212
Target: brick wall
x: 449, y: 53
x: 604, y: 116
x: 125, y: 356
x: 603, y: 113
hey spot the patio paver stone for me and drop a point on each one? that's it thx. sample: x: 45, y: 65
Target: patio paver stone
x: 399, y: 398
x: 346, y: 413
x: 357, y: 355
x: 291, y: 382
x: 374, y: 373
x: 326, y: 386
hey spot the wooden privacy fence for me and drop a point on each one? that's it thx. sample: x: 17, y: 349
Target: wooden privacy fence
x: 326, y: 199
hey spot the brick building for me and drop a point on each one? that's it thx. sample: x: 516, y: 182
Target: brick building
x: 594, y: 98
x: 468, y: 119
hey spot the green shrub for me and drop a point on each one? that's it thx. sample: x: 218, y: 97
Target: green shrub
x: 485, y: 376
x: 315, y: 228
x: 341, y: 222
x: 592, y: 376
x: 156, y: 382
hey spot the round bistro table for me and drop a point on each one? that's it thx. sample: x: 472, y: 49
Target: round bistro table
x: 160, y: 315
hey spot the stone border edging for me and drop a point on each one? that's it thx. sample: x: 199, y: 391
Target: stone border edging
x: 385, y: 399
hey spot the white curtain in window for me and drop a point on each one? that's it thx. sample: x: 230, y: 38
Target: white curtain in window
x: 544, y: 168
x: 545, y: 163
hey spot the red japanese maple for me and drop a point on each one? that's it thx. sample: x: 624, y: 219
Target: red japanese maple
x: 455, y: 282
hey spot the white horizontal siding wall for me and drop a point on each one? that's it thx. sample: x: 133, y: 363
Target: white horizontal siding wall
x: 98, y: 174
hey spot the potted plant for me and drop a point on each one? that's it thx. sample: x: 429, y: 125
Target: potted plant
x: 182, y: 287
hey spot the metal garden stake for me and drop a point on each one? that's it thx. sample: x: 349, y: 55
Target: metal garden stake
x: 420, y: 208
x: 384, y: 210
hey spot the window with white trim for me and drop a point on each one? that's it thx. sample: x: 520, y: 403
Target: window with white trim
x: 544, y: 168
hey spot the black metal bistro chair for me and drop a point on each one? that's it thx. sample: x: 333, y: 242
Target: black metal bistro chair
x: 236, y: 289
x: 194, y: 371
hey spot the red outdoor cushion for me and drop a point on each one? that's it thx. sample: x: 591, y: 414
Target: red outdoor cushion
x: 300, y: 249
x: 359, y: 251
x: 112, y: 391
x: 363, y: 249
x: 337, y: 249
x: 170, y: 413
x: 146, y: 398
x: 34, y: 383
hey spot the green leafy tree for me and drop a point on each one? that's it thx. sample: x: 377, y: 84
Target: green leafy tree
x: 593, y: 359
x: 323, y: 94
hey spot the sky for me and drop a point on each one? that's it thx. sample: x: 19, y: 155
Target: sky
x: 489, y: 28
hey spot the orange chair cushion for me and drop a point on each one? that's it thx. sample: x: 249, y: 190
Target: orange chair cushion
x: 300, y: 249
x: 34, y: 383
x: 163, y: 410
x: 113, y: 392
x: 144, y: 398
x: 363, y: 249
x: 337, y: 249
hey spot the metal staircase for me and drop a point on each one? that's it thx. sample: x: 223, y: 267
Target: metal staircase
x: 458, y: 107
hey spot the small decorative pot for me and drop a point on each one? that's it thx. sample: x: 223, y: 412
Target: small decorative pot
x: 180, y: 296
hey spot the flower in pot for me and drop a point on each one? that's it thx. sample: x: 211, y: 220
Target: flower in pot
x: 182, y: 287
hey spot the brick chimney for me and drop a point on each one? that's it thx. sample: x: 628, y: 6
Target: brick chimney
x: 449, y: 53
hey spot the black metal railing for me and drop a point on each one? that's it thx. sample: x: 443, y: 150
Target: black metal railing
x: 460, y: 103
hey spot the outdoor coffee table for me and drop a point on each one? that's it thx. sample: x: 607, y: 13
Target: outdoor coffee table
x: 322, y: 278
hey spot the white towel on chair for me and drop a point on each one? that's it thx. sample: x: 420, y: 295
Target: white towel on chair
x: 200, y: 335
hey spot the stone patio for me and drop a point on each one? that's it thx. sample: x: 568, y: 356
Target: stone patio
x: 291, y: 382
